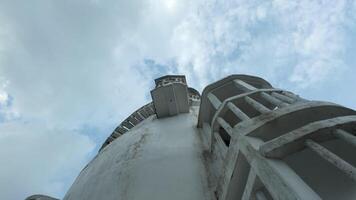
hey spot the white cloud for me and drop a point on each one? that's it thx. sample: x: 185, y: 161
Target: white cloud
x: 280, y: 39
x: 36, y: 159
x: 61, y: 73
x: 4, y: 97
x: 318, y: 38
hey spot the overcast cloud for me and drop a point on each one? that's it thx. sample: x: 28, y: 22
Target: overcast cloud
x: 70, y: 71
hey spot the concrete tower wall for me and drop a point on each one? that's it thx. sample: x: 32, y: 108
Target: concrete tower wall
x: 249, y: 141
x: 157, y: 159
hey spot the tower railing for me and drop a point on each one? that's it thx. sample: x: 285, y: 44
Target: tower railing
x: 134, y: 119
x: 148, y: 110
x: 254, y: 129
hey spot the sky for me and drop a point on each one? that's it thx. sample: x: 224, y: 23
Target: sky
x: 72, y: 70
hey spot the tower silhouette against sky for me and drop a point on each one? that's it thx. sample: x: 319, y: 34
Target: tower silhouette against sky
x: 241, y: 139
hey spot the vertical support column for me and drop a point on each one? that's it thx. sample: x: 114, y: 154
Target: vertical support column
x: 260, y: 195
x: 292, y: 96
x: 249, y: 185
x: 241, y: 115
x: 273, y: 100
x: 283, y: 97
x: 139, y: 116
x: 123, y: 127
x: 332, y: 158
x: 278, y: 178
x: 346, y: 136
x: 120, y: 129
x: 116, y: 134
x: 258, y: 106
x: 133, y: 120
x: 225, y: 125
x: 214, y: 100
x: 220, y: 144
x: 127, y: 124
x: 143, y: 113
x: 243, y: 85
x: 277, y: 102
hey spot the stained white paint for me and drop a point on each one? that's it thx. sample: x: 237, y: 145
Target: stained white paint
x: 157, y: 159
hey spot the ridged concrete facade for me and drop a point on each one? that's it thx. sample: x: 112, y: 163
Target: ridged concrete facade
x: 241, y: 139
x: 268, y: 143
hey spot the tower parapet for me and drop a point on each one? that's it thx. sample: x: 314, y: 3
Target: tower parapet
x: 170, y: 79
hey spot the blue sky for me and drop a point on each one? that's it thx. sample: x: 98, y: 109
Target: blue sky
x: 70, y: 71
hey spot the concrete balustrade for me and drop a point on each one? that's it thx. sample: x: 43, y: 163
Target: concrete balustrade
x: 332, y: 158
x: 273, y: 100
x: 346, y: 136
x: 214, y: 100
x: 256, y: 105
x: 130, y: 122
x: 241, y: 115
x: 288, y: 120
x: 283, y: 97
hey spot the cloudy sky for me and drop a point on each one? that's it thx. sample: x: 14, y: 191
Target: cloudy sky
x: 71, y: 70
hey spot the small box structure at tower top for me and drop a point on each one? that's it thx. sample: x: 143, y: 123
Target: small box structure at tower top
x: 170, y: 96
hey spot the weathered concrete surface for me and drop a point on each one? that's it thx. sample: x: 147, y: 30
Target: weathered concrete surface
x: 253, y: 142
x: 257, y: 134
x: 324, y: 178
x: 157, y: 159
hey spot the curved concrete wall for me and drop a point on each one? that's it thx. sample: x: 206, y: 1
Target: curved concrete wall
x: 135, y: 118
x: 157, y: 159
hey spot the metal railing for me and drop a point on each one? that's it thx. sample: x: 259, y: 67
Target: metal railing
x: 134, y: 119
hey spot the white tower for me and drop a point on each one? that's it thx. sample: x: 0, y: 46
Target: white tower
x: 242, y: 139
